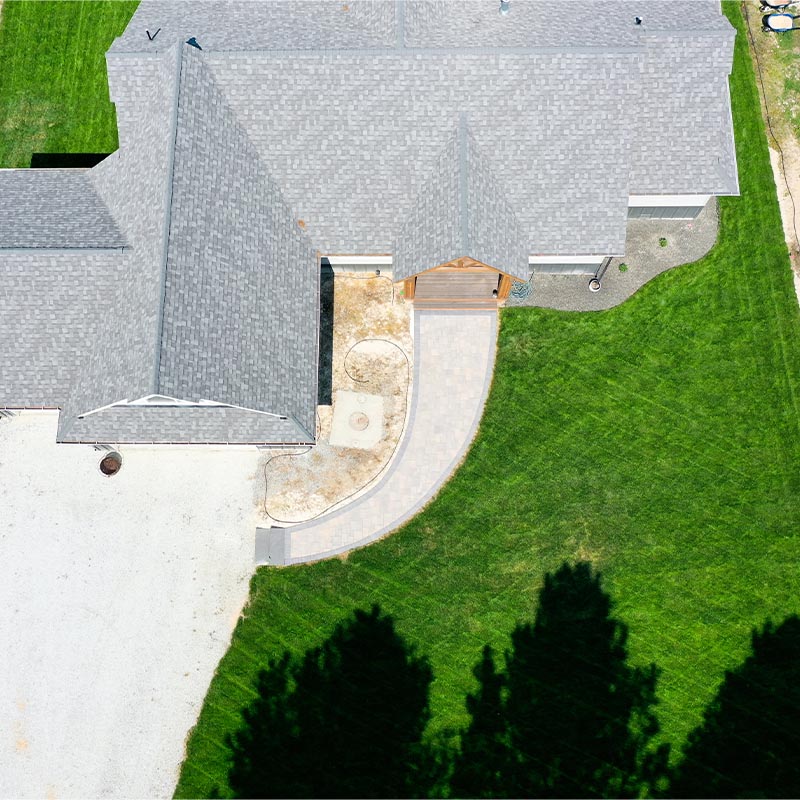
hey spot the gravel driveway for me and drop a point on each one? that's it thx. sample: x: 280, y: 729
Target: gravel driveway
x: 118, y: 597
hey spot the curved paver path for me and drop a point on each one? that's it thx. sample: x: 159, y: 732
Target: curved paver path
x: 453, y: 363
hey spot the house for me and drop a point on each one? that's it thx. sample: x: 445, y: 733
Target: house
x: 170, y: 294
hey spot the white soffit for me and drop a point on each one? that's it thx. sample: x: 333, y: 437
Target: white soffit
x: 651, y: 200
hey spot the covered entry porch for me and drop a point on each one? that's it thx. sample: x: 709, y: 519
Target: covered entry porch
x: 463, y: 283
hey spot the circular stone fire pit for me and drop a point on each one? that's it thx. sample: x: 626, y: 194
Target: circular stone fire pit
x: 111, y: 464
x: 359, y: 421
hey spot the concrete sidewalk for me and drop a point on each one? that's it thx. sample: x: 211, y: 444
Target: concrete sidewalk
x: 453, y: 366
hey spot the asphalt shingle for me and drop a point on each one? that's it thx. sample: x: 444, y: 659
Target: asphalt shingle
x: 54, y: 209
x: 461, y: 210
x: 241, y: 299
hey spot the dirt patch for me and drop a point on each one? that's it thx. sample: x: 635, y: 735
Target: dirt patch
x: 786, y: 171
x: 776, y: 58
x: 371, y: 353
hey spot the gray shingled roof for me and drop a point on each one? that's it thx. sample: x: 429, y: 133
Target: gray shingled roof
x: 352, y: 173
x: 431, y: 233
x: 658, y: 98
x: 460, y: 211
x: 242, y: 279
x: 494, y: 235
x: 242, y: 25
x: 120, y: 364
x: 52, y: 306
x: 54, y: 208
x: 683, y: 133
x: 260, y: 24
x: 533, y: 23
x: 216, y: 296
x: 559, y: 125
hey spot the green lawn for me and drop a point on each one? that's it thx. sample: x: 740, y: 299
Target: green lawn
x: 659, y: 439
x: 53, y: 83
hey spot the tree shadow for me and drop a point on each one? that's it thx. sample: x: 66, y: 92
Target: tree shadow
x: 568, y: 717
x: 346, y: 720
x: 748, y: 744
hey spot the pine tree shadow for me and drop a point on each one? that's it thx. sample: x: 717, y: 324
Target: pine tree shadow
x: 568, y: 717
x: 748, y: 744
x: 346, y: 720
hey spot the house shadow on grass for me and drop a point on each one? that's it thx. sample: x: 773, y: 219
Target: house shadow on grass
x: 66, y: 160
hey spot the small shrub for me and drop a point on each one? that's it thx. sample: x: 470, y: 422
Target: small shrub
x: 662, y: 241
x: 623, y: 267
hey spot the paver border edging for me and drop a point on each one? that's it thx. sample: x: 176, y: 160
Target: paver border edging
x: 282, y: 536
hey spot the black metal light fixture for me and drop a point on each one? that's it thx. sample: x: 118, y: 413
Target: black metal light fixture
x: 505, y: 6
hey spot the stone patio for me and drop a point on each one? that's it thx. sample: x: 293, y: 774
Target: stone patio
x: 687, y: 241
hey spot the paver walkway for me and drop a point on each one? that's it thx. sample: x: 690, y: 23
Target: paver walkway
x: 454, y: 355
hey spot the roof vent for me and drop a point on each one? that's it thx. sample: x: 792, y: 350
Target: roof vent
x: 638, y: 20
x: 193, y: 43
x: 505, y: 6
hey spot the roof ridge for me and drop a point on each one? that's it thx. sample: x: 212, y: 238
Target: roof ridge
x: 168, y: 219
x: 463, y: 181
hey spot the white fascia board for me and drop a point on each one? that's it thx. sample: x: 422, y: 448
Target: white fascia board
x: 102, y: 408
x: 566, y: 259
x: 163, y: 401
x: 156, y: 400
x: 667, y: 200
x: 357, y: 260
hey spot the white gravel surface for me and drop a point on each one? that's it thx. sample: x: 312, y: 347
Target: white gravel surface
x: 118, y: 598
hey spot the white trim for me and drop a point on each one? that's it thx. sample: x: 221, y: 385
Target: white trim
x: 161, y: 400
x: 357, y: 260
x: 667, y: 200
x: 102, y: 408
x: 566, y: 259
x: 733, y: 133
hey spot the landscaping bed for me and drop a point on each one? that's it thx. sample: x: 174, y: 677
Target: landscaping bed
x: 371, y: 353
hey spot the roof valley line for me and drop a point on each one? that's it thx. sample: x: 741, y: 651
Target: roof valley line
x: 186, y: 265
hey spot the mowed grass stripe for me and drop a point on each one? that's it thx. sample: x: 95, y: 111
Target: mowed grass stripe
x: 53, y: 81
